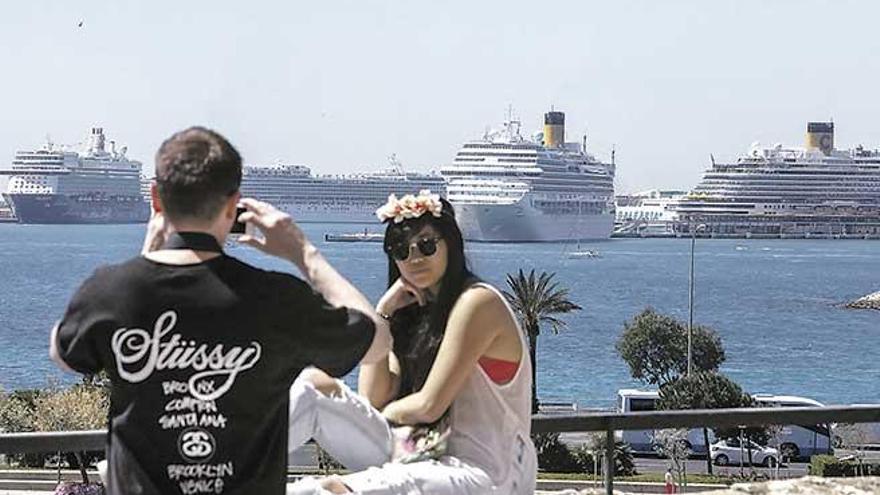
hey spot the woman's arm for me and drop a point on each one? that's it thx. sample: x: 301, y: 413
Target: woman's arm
x: 380, y: 381
x: 474, y: 323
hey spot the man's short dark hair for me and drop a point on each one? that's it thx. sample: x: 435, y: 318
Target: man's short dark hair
x: 197, y: 170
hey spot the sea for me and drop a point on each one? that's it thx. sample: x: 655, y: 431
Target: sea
x: 776, y: 304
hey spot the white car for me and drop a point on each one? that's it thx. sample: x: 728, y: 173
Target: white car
x: 728, y: 452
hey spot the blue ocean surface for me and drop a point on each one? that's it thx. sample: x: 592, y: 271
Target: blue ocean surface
x: 775, y: 303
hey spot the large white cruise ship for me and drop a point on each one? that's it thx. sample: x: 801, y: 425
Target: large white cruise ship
x: 52, y: 185
x: 506, y: 188
x: 350, y: 198
x: 782, y: 191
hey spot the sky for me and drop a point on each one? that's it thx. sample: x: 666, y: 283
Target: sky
x: 341, y: 85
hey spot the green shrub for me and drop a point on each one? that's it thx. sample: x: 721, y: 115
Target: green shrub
x: 624, y: 465
x: 17, y: 416
x: 830, y: 466
x: 585, y: 459
x: 553, y: 455
x: 80, y: 407
x: 556, y: 457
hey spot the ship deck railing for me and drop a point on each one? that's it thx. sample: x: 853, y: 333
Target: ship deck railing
x: 609, y: 423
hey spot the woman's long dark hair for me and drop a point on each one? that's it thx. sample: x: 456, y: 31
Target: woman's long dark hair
x: 417, y: 330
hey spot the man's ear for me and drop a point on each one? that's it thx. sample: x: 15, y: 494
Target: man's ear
x: 155, y: 201
x: 232, y: 205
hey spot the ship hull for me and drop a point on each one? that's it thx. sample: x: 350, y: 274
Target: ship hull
x: 342, y: 214
x: 63, y: 209
x: 520, y: 222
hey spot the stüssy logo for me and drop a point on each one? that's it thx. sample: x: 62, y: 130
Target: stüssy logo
x: 139, y: 353
x: 196, y: 445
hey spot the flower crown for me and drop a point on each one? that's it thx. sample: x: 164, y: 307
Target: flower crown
x: 410, y: 206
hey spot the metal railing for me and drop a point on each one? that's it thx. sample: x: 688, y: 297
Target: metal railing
x: 657, y: 420
x: 71, y: 441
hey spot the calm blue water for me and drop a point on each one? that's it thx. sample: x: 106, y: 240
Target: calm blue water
x: 774, y: 303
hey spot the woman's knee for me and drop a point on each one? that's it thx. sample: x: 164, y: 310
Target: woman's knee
x: 322, y: 382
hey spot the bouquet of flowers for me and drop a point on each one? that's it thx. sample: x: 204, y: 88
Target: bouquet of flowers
x: 420, y: 443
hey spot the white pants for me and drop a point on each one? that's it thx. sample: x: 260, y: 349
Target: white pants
x: 358, y: 436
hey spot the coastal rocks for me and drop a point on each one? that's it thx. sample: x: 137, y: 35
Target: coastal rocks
x: 871, y: 301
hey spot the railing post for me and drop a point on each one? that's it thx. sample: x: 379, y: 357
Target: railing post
x: 609, y: 462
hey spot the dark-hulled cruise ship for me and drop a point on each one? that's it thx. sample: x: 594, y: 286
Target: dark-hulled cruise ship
x: 58, y: 186
x: 351, y: 198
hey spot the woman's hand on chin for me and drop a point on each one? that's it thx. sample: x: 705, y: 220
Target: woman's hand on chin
x: 401, y: 293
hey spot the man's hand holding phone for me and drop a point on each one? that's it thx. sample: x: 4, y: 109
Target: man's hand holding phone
x: 281, y: 236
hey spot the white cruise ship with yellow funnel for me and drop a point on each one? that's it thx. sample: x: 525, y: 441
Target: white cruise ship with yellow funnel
x: 815, y: 190
x: 506, y: 188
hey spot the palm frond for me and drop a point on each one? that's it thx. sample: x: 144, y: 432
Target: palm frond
x: 535, y: 297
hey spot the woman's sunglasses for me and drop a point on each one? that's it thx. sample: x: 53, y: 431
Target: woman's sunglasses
x: 427, y: 246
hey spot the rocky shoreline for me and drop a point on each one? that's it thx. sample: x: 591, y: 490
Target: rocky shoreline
x: 871, y: 301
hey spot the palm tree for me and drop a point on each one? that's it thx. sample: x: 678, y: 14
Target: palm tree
x: 536, y: 300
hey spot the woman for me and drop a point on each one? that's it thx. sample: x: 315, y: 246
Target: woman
x: 459, y: 364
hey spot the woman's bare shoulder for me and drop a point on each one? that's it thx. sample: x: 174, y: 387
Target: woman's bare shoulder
x: 483, y: 302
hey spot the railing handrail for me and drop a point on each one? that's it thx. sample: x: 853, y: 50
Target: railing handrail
x: 52, y: 441
x: 71, y: 441
x: 68, y: 441
x: 691, y: 418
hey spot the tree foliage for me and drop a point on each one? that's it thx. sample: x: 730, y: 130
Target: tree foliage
x: 536, y: 300
x: 673, y: 444
x: 655, y: 348
x: 81, y: 407
x: 15, y: 415
x: 703, y: 390
x: 711, y: 390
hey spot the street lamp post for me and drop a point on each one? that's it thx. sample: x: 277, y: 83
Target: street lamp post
x: 690, y: 364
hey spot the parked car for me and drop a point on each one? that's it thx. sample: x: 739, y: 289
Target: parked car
x: 728, y: 452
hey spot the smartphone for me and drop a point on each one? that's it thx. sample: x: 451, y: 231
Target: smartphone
x: 239, y: 227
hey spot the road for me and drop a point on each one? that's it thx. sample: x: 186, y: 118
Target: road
x: 650, y: 464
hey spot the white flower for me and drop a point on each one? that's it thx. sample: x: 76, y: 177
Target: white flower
x: 410, y: 206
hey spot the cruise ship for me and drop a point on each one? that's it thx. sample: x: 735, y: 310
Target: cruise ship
x: 778, y: 191
x: 506, y: 188
x: 647, y: 213
x: 58, y: 186
x: 350, y: 198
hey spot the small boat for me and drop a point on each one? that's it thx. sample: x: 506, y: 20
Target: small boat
x: 355, y: 237
x: 588, y: 253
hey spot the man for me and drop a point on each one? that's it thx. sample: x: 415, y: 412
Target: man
x: 202, y: 348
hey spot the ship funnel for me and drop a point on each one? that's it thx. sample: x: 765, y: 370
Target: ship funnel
x: 820, y: 136
x: 554, y: 129
x: 97, y: 138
